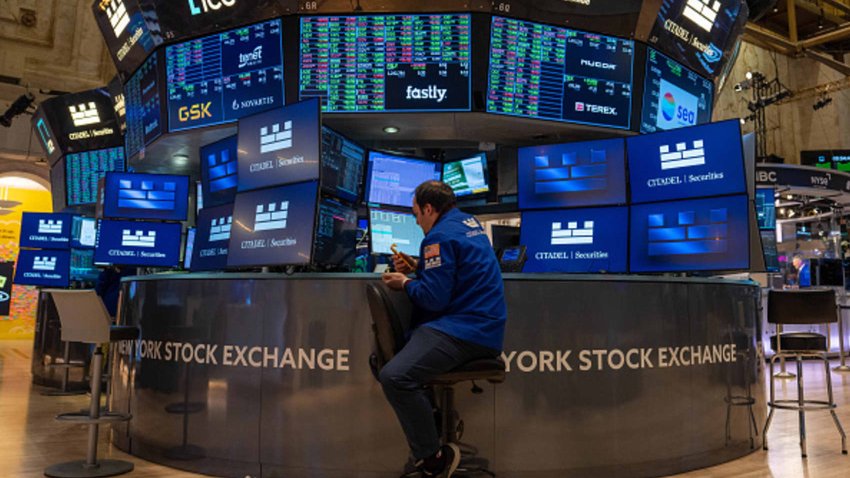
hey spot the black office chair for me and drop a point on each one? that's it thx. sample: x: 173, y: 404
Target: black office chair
x: 390, y: 317
x: 806, y: 307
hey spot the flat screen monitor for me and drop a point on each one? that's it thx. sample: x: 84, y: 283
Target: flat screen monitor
x: 143, y: 106
x: 44, y: 268
x: 336, y: 235
x: 82, y: 265
x: 223, y: 77
x: 212, y: 238
x: 391, y: 180
x: 179, y: 19
x: 83, y: 232
x: 687, y: 163
x: 827, y: 272
x: 554, y: 73
x: 281, y: 146
x: 343, y: 162
x: 393, y: 227
x: 78, y: 122
x: 766, y: 208
x: 127, y: 35
x: 770, y: 251
x: 219, y: 172
x: 673, y: 95
x: 134, y: 243
x: 162, y: 197
x: 387, y: 63
x: 188, y: 250
x: 695, y: 235
x: 46, y: 230
x: 573, y: 174
x: 467, y: 177
x: 575, y: 240
x: 84, y: 170
x: 274, y: 226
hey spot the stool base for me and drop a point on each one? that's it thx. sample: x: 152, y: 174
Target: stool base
x: 79, y: 469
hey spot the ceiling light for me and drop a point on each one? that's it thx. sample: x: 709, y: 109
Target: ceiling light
x: 390, y: 129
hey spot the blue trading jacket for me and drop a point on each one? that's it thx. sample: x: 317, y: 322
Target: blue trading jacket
x: 459, y: 288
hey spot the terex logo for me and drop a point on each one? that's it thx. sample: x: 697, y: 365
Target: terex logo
x: 597, y: 109
x: 598, y: 64
x: 253, y: 58
x: 207, y: 6
x: 195, y: 112
x: 429, y: 93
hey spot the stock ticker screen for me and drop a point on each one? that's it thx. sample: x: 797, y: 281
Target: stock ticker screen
x: 386, y: 62
x: 343, y: 162
x: 143, y: 107
x: 221, y: 78
x: 553, y: 73
x: 336, y: 234
x: 84, y: 170
x: 674, y: 96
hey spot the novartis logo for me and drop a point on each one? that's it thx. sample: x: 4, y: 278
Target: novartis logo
x: 199, y: 7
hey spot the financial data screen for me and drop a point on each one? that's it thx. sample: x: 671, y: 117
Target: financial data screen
x: 221, y: 78
x: 553, y: 73
x: 84, y: 170
x: 766, y: 208
x: 386, y: 62
x: 143, y: 107
x: 342, y: 166
x: 674, y: 96
x: 392, y: 227
x: 336, y: 234
x: 468, y: 176
x: 391, y: 180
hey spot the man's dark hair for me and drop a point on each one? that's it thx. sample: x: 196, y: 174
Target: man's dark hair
x: 436, y: 193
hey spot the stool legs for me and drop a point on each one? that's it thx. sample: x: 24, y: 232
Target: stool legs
x: 832, y: 409
x: 769, y: 403
x: 801, y: 401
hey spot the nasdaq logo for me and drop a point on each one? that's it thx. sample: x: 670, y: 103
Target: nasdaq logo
x: 274, y: 138
x: 84, y: 114
x: 598, y: 64
x: 702, y: 12
x: 570, y: 173
x: 138, y: 238
x: 207, y: 6
x: 44, y: 263
x: 573, y: 235
x: 195, y: 112
x: 47, y: 226
x: 596, y: 109
x: 117, y: 14
x: 683, y: 157
x: 220, y: 228
x: 147, y: 195
x: 253, y: 58
x: 223, y: 171
x: 686, y: 234
x: 272, y: 217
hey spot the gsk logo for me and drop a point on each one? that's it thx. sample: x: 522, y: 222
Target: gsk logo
x: 208, y: 5
x: 195, y: 112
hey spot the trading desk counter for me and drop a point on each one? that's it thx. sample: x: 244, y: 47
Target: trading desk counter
x: 267, y: 375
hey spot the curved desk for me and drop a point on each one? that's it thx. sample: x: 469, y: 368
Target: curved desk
x: 267, y: 375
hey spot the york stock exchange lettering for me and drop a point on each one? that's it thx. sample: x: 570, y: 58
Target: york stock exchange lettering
x: 430, y: 93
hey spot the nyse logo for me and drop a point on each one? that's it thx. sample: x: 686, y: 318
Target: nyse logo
x: 271, y: 217
x: 682, y: 157
x: 596, y: 109
x: 428, y: 93
x: 598, y: 64
x: 195, y: 112
x: 220, y: 228
x: 573, y: 235
x: 49, y: 226
x: 275, y: 139
x: 702, y: 12
x: 251, y: 59
x: 207, y: 6
x: 117, y: 14
x: 44, y: 263
x: 138, y: 239
x: 84, y: 114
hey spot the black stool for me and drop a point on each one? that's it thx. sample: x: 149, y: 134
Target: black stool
x: 809, y: 307
x: 85, y: 319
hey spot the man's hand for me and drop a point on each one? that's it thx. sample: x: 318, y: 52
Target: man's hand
x: 395, y: 280
x: 404, y: 263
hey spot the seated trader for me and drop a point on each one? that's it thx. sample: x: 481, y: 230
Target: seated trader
x: 459, y: 316
x: 804, y: 275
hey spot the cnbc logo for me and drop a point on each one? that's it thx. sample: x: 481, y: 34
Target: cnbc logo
x: 199, y: 7
x: 195, y: 112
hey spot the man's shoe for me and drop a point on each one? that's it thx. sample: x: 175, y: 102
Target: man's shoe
x: 452, y: 454
x: 443, y: 464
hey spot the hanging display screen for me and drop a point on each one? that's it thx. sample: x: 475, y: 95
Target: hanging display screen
x: 84, y: 170
x: 673, y: 96
x: 143, y: 107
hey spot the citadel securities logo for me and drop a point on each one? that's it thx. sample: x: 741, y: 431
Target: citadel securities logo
x: 702, y: 12
x: 117, y: 14
x: 271, y: 218
x: 207, y: 6
x: 598, y: 64
x: 429, y: 93
x: 274, y: 139
x: 44, y: 263
x: 220, y: 228
x: 84, y: 114
x: 683, y: 157
x: 596, y: 109
x: 253, y: 58
x: 139, y: 239
x: 195, y: 112
x: 572, y: 235
x: 47, y: 226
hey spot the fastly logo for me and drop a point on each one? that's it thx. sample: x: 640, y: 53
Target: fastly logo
x: 272, y: 217
x: 253, y: 58
x: 84, y: 114
x: 429, y: 93
x: 138, y: 239
x: 274, y: 138
x: 702, y: 12
x: 47, y: 226
x: 117, y: 14
x: 198, y: 7
x: 220, y: 228
x: 573, y: 234
x: 44, y: 263
x: 195, y: 112
x: 683, y: 157
x: 598, y: 64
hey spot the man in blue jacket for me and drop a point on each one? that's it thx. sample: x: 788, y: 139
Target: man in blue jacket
x: 459, y: 316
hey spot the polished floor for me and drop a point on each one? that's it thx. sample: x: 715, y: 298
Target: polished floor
x: 30, y: 439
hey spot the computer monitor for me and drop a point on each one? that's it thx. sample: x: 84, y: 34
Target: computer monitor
x: 83, y: 232
x: 343, y: 162
x: 674, y: 96
x: 392, y: 179
x: 467, y: 177
x: 219, y: 174
x: 336, y: 235
x: 46, y: 230
x: 44, y: 268
x: 504, y: 236
x: 82, y: 265
x: 134, y: 243
x: 770, y: 251
x: 387, y: 227
x: 274, y: 226
x: 575, y: 240
x: 212, y: 238
x: 84, y: 170
x: 188, y: 249
x: 827, y: 272
x: 766, y: 208
x: 163, y: 197
x: 512, y: 259
x: 691, y: 236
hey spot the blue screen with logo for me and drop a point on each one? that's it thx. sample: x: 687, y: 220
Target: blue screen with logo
x: 223, y: 77
x: 393, y: 227
x: 44, y: 268
x: 280, y: 146
x: 45, y: 230
x: 694, y: 235
x: 212, y: 238
x: 574, y: 174
x: 162, y: 197
x: 766, y: 208
x: 274, y: 226
x: 576, y: 240
x: 391, y: 180
x: 687, y: 163
x: 554, y: 73
x: 219, y: 172
x: 387, y: 63
x: 673, y: 95
x: 134, y: 243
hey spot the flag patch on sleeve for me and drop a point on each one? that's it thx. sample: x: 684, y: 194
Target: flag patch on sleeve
x: 432, y: 251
